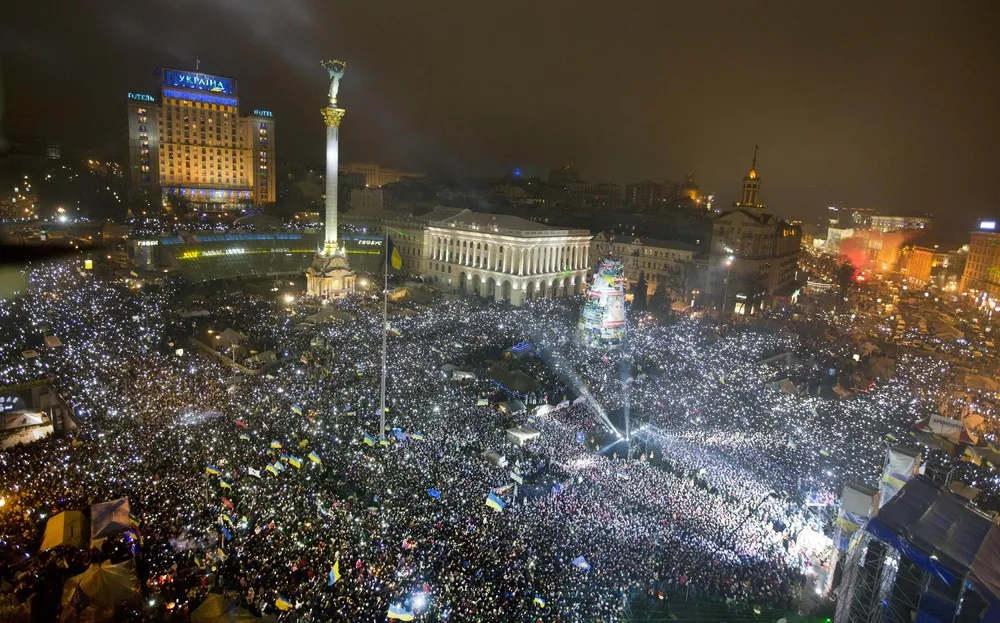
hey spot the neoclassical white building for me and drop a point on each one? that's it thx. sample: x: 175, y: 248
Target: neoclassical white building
x: 506, y: 258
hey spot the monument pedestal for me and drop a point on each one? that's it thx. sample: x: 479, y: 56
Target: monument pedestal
x: 329, y: 276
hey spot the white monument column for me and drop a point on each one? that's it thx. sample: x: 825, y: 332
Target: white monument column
x: 329, y: 276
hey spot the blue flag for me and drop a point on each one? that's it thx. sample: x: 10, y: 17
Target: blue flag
x: 227, y: 534
x: 581, y: 563
x: 434, y: 493
x: 494, y: 502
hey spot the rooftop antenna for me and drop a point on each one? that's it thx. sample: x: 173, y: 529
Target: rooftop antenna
x: 755, y: 149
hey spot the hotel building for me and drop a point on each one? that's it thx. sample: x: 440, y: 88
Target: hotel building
x: 190, y: 141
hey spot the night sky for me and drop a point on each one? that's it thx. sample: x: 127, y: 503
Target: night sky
x: 885, y: 105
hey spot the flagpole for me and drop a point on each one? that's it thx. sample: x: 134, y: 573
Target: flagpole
x: 385, y: 329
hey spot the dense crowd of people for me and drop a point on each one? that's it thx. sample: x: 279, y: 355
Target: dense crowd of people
x: 278, y: 488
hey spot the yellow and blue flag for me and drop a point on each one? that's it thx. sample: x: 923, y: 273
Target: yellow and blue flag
x: 283, y: 604
x: 494, y: 502
x: 278, y: 466
x: 297, y: 409
x: 222, y: 553
x: 482, y: 402
x: 417, y: 436
x: 334, y: 573
x: 244, y: 437
x: 369, y: 439
x: 314, y: 457
x: 295, y: 462
x: 271, y: 469
x: 276, y: 445
x: 400, y: 613
x: 212, y: 469
x: 392, y: 257
x: 539, y: 601
x: 224, y: 484
x: 383, y: 441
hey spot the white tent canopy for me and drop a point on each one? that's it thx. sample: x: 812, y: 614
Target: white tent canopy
x: 521, y: 435
x: 94, y: 594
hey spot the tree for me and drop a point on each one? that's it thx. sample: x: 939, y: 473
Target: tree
x: 845, y: 277
x: 639, y: 290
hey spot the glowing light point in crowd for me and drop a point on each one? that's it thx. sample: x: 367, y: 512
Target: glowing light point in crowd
x: 602, y: 321
x: 329, y: 277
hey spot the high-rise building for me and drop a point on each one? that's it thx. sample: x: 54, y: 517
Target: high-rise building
x: 982, y: 266
x: 191, y: 142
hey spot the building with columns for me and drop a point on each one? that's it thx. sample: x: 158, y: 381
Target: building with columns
x: 506, y: 258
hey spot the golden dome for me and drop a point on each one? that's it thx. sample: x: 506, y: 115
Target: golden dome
x: 753, y: 173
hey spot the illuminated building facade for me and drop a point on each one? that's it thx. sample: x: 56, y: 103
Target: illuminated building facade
x: 667, y: 265
x: 982, y: 266
x: 754, y: 257
x: 496, y: 256
x: 191, y: 142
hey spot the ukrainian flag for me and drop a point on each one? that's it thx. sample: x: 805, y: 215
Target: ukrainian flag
x: 417, y: 436
x: 283, y: 604
x: 383, y: 441
x: 482, y: 402
x: 296, y: 462
x: 244, y: 437
x: 393, y: 259
x: 297, y: 409
x: 539, y: 601
x: 278, y: 466
x: 222, y: 554
x: 369, y: 439
x: 314, y: 457
x: 224, y: 484
x: 494, y: 502
x: 271, y: 469
x: 212, y: 469
x: 276, y: 445
x: 400, y: 613
x: 334, y: 574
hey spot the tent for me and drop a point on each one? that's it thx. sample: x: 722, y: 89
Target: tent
x: 107, y: 518
x: 218, y: 609
x: 66, y: 528
x: 541, y: 410
x: 515, y: 381
x: 521, y: 435
x: 460, y: 375
x: 942, y: 534
x: 94, y: 594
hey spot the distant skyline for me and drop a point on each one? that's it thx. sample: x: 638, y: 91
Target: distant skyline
x: 890, y: 106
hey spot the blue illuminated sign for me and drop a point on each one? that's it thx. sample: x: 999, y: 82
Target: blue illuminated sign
x: 141, y: 97
x: 262, y: 113
x: 198, y: 82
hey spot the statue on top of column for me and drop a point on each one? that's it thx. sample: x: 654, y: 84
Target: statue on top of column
x: 336, y: 70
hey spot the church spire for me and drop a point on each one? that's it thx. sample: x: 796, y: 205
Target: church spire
x: 750, y: 197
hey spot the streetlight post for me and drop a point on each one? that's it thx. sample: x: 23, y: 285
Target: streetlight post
x: 725, y: 289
